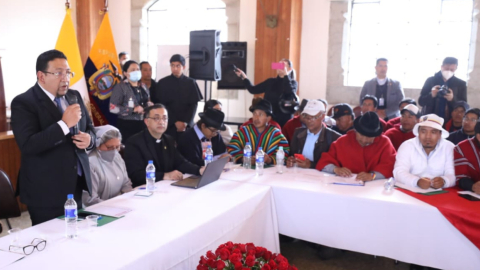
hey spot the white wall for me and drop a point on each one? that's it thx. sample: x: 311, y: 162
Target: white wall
x: 314, y: 49
x: 22, y: 39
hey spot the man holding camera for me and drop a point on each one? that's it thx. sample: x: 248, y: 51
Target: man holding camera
x: 443, y: 90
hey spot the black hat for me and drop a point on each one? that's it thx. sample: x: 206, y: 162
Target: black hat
x: 462, y: 104
x: 213, y: 118
x: 368, y: 125
x: 177, y: 58
x: 263, y: 105
x: 342, y: 109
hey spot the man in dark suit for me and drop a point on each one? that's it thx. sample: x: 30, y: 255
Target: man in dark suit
x: 54, y: 160
x: 439, y: 102
x: 153, y: 144
x: 193, y: 143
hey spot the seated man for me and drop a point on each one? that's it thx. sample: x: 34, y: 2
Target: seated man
x: 313, y: 140
x: 467, y: 162
x: 455, y: 123
x: 468, y: 127
x: 396, y: 121
x: 364, y: 151
x: 427, y: 160
x: 343, y: 115
x: 154, y: 144
x: 259, y: 134
x: 328, y: 120
x: 297, y: 121
x: 193, y: 143
x: 370, y: 104
x: 250, y: 121
x: 399, y: 134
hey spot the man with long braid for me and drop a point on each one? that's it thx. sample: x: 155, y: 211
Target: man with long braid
x: 259, y: 134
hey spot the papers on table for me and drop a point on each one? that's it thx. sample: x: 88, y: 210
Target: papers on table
x: 7, y: 258
x: 469, y: 193
x: 416, y: 189
x: 106, y: 210
x: 348, y: 181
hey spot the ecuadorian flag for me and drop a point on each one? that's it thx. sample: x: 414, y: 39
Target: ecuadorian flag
x: 67, y: 43
x: 102, y: 71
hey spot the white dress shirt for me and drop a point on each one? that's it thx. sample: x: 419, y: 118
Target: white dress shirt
x: 412, y: 162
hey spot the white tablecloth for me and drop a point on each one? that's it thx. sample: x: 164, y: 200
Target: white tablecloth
x: 169, y: 230
x: 364, y: 219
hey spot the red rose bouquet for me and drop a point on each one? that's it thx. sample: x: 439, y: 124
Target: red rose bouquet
x: 231, y: 256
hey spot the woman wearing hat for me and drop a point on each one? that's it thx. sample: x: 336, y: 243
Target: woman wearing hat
x: 363, y: 151
x: 107, y: 168
x: 275, y: 90
x: 193, y: 143
x: 129, y: 99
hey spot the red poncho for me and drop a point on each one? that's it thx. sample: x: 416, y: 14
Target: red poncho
x: 347, y: 152
x: 397, y: 136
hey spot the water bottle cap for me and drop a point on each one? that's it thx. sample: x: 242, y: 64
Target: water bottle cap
x: 248, y: 143
x: 281, y: 148
x: 150, y: 162
x: 70, y: 196
x: 209, y: 146
x: 259, y: 148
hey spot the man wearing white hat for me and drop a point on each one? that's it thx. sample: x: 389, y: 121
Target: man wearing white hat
x: 427, y: 160
x: 314, y: 139
x: 408, y: 120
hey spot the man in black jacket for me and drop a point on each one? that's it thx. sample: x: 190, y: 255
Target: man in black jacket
x: 180, y: 95
x: 193, y: 143
x: 54, y: 160
x: 154, y: 144
x: 441, y: 102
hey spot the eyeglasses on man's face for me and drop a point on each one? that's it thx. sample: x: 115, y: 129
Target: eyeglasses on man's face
x: 158, y: 119
x: 311, y: 118
x: 62, y: 75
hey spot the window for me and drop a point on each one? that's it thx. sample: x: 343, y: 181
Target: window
x: 170, y: 22
x: 414, y: 35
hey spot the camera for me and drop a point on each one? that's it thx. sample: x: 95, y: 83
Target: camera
x: 443, y: 91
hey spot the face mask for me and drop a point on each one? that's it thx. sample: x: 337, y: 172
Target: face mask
x: 107, y: 155
x: 135, y: 76
x: 447, y: 74
x: 123, y: 61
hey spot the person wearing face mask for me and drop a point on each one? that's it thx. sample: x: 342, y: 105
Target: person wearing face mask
x: 107, y: 168
x: 387, y: 91
x: 180, y: 94
x: 129, y: 99
x: 439, y: 102
x: 275, y: 89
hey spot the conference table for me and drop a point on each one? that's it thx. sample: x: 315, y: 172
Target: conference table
x: 175, y: 226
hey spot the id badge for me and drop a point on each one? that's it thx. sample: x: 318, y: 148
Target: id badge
x: 381, y: 102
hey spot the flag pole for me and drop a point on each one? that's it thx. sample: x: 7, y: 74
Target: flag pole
x: 67, y: 4
x: 105, y: 9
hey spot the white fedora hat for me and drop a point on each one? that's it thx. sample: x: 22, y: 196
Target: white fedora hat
x: 433, y: 121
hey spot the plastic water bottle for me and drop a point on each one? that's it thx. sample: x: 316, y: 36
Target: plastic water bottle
x: 150, y: 176
x: 259, y: 157
x: 280, y: 159
x: 70, y: 217
x: 208, y: 155
x: 247, y: 156
x: 389, y: 184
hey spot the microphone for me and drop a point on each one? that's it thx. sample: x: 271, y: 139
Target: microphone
x: 73, y: 100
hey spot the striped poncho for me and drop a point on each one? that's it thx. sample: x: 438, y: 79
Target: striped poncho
x: 270, y: 139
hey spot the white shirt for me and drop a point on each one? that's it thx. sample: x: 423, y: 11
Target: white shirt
x: 412, y: 162
x: 64, y: 104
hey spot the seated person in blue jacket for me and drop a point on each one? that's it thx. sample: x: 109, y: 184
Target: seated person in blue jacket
x: 194, y: 142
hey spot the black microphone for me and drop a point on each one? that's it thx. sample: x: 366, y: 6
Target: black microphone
x: 73, y: 100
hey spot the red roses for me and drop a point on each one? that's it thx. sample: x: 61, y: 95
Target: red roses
x: 230, y: 256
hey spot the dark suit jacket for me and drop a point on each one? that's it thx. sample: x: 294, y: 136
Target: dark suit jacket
x: 430, y: 104
x: 48, y: 169
x: 327, y: 136
x: 140, y: 148
x: 190, y: 146
x: 394, y: 95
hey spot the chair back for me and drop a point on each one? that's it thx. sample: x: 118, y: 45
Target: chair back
x: 8, y: 203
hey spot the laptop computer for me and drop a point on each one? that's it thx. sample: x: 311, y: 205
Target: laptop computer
x: 211, y: 174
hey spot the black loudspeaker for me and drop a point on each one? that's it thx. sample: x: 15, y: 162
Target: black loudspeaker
x: 205, y: 55
x: 233, y: 54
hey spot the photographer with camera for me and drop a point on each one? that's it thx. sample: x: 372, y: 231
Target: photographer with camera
x: 443, y: 90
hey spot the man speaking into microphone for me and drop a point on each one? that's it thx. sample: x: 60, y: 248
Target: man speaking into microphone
x: 53, y: 131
